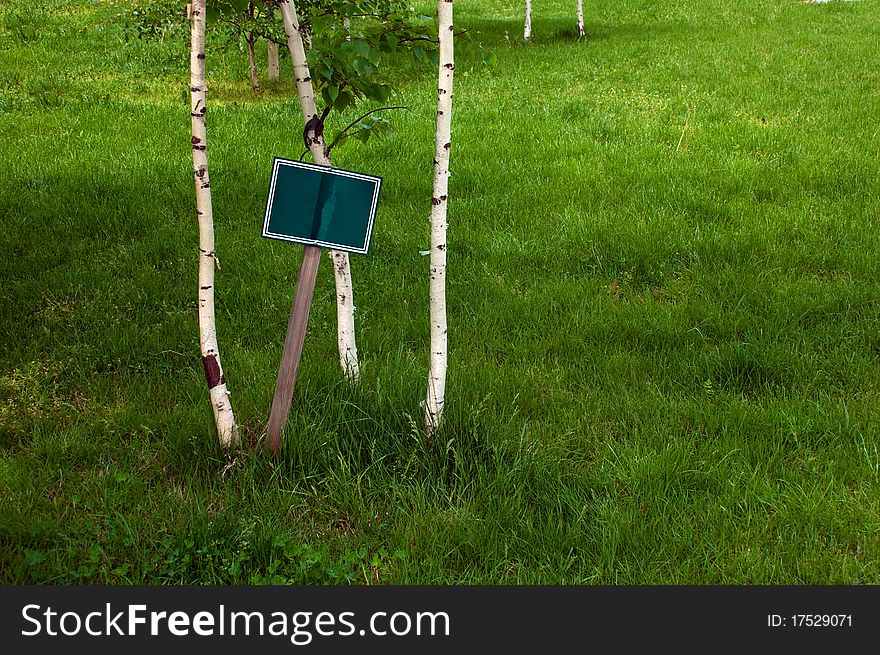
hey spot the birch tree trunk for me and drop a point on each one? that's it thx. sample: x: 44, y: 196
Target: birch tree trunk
x: 252, y: 62
x: 227, y: 431
x: 274, y: 70
x: 580, y: 17
x: 527, y: 29
x: 436, y: 394
x: 348, y: 357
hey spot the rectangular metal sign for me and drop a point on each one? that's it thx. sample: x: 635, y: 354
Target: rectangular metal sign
x: 321, y: 206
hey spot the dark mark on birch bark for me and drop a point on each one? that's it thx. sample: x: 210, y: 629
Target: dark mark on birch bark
x: 212, y: 371
x: 313, y: 131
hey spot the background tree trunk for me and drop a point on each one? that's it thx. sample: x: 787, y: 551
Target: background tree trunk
x: 436, y: 395
x: 227, y: 431
x: 348, y: 357
x: 527, y: 29
x: 252, y: 62
x: 580, y: 17
x: 274, y: 70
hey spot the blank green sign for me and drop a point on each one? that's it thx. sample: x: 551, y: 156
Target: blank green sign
x: 321, y: 206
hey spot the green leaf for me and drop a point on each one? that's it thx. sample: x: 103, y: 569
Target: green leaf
x: 361, y: 47
x: 325, y: 95
x: 363, y: 134
x: 324, y: 70
x: 383, y: 92
x: 343, y: 100
x: 363, y: 68
x: 320, y: 25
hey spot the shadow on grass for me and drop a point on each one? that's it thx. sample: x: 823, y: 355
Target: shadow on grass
x: 564, y: 30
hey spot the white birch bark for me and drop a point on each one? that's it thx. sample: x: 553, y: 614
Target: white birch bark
x: 348, y: 357
x: 436, y: 395
x: 274, y: 70
x: 252, y: 60
x: 580, y: 17
x: 252, y: 63
x: 227, y: 431
x: 527, y: 29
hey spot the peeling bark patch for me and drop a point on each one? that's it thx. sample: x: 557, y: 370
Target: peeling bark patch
x: 212, y: 371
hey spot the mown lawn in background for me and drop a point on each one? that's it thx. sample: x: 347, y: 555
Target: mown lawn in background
x: 663, y: 301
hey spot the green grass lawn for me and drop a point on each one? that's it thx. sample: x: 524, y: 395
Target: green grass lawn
x: 663, y: 303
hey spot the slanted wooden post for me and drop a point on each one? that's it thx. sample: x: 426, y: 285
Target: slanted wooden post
x: 293, y: 345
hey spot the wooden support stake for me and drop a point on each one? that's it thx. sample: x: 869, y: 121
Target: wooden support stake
x: 293, y: 345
